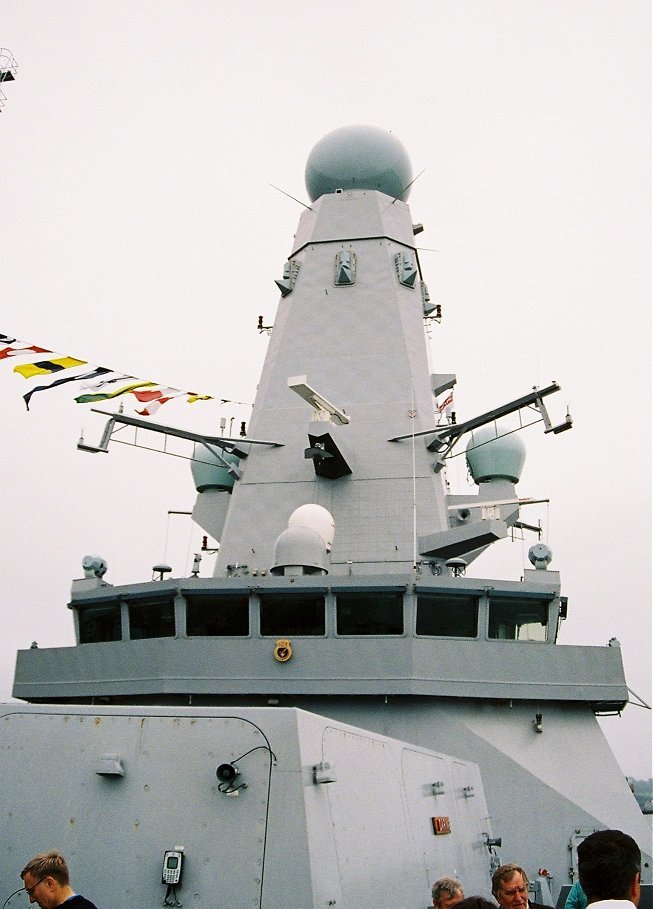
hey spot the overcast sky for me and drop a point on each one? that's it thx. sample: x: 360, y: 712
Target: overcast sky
x: 140, y: 232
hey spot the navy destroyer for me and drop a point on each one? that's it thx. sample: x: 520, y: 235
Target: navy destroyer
x: 343, y: 712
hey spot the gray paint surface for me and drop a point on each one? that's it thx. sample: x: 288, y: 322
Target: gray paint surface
x: 283, y: 840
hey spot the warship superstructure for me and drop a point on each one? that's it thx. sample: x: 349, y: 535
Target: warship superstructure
x: 343, y: 712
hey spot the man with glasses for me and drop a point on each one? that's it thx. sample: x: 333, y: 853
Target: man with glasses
x: 609, y: 864
x: 47, y: 882
x: 510, y: 888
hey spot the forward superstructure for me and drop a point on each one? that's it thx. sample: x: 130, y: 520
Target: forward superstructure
x: 342, y: 584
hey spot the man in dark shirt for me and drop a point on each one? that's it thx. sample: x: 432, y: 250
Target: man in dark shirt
x: 609, y: 865
x: 510, y: 888
x: 47, y: 882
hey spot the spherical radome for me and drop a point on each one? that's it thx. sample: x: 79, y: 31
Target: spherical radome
x: 493, y: 453
x: 211, y: 470
x: 317, y: 518
x: 359, y: 157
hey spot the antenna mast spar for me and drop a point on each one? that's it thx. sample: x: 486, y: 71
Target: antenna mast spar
x: 8, y: 69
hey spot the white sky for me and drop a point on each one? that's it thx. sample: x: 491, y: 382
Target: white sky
x: 139, y: 232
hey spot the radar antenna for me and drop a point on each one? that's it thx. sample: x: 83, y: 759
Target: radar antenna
x: 407, y: 186
x: 290, y: 197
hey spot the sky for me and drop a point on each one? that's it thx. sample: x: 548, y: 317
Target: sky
x: 142, y: 142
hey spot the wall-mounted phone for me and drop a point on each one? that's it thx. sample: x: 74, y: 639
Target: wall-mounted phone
x: 172, y: 865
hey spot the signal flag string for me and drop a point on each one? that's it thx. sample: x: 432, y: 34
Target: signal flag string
x: 95, y: 383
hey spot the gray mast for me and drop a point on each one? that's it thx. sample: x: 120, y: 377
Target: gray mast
x: 351, y: 322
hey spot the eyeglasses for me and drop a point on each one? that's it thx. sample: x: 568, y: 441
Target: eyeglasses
x: 515, y: 890
x: 30, y: 890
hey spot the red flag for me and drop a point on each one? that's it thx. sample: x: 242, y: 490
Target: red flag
x: 447, y: 401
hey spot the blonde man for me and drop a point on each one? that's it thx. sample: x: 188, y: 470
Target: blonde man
x: 47, y: 883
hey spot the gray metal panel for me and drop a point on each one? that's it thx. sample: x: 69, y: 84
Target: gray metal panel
x: 535, y: 584
x: 394, y: 665
x: 447, y: 853
x: 351, y: 215
x: 368, y: 816
x: 168, y: 796
x: 282, y: 841
x: 535, y: 798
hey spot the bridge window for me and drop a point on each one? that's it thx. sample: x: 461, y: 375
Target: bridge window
x: 99, y: 623
x: 213, y: 616
x: 441, y: 615
x: 151, y: 619
x: 298, y: 614
x: 370, y: 613
x: 513, y: 619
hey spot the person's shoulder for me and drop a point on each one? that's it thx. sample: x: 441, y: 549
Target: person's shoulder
x: 78, y: 902
x: 612, y: 904
x: 539, y: 905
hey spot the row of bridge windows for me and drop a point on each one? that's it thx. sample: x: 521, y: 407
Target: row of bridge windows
x: 283, y: 615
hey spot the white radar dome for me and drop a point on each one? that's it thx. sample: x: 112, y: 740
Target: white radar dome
x: 495, y: 453
x: 359, y: 157
x: 301, y: 548
x: 316, y: 518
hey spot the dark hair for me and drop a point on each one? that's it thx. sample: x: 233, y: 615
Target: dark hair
x: 475, y: 902
x: 608, y: 861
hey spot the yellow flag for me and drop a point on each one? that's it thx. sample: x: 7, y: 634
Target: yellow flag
x: 46, y: 367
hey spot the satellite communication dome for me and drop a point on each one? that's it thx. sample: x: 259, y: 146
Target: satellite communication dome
x: 211, y: 470
x: 316, y: 518
x: 359, y: 157
x: 495, y: 453
x: 300, y: 547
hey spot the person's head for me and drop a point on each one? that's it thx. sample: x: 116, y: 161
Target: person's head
x: 510, y: 887
x: 46, y: 879
x: 475, y: 902
x: 447, y: 892
x: 609, y: 863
